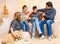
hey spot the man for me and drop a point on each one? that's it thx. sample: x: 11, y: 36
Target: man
x: 24, y: 18
x: 50, y: 13
x: 35, y: 21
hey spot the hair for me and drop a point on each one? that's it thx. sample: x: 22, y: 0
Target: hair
x: 49, y: 4
x: 17, y: 16
x: 34, y: 7
x: 24, y: 6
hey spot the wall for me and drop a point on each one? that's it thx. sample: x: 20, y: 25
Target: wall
x: 16, y: 5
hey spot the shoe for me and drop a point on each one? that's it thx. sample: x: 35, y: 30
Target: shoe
x: 40, y: 33
x: 50, y: 38
x: 42, y: 37
x: 33, y: 38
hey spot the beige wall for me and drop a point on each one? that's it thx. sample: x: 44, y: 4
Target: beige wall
x: 16, y: 5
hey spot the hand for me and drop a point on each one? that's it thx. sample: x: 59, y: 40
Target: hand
x: 43, y: 19
x: 43, y: 14
x: 16, y: 35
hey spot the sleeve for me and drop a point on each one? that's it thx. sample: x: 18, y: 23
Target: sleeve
x: 30, y: 15
x: 13, y: 23
x: 41, y: 10
x: 53, y: 13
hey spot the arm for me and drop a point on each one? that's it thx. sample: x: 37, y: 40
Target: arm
x: 13, y: 23
x: 12, y: 27
x: 11, y: 30
x: 14, y: 34
x: 52, y: 14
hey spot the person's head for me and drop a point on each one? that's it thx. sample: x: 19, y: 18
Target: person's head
x: 34, y: 9
x: 49, y: 5
x: 17, y: 16
x: 24, y: 8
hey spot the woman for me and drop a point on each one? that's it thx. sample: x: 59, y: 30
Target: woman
x: 15, y: 24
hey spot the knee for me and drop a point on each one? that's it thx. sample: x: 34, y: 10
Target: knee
x: 40, y: 22
x: 48, y: 22
x: 33, y: 24
x: 22, y: 24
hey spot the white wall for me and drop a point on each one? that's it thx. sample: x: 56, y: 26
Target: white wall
x: 16, y: 5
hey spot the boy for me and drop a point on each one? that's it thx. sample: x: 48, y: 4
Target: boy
x: 24, y: 18
x: 35, y: 21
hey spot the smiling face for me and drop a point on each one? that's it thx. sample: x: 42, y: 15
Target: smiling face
x: 17, y: 16
x: 24, y: 8
x: 47, y: 7
x: 35, y: 10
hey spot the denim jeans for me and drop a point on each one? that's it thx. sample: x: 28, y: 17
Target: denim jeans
x: 27, y: 28
x: 49, y: 26
x: 21, y: 25
x: 35, y: 24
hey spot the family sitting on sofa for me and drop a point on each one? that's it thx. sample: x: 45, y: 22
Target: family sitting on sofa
x: 38, y: 17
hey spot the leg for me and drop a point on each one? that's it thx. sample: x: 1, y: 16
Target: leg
x: 49, y: 28
x: 42, y: 28
x: 38, y: 27
x: 22, y: 25
x: 33, y: 29
x: 26, y: 26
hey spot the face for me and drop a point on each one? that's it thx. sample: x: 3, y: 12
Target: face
x: 19, y: 16
x: 47, y: 7
x: 25, y: 9
x: 35, y: 10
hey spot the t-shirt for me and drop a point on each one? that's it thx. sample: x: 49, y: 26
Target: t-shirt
x: 15, y: 25
x: 37, y: 15
x: 24, y: 17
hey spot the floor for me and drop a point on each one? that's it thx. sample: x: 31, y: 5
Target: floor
x: 38, y: 41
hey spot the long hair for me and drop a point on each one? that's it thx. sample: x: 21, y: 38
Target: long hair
x: 17, y: 16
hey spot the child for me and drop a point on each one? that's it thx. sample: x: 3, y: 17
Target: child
x: 24, y: 18
x: 35, y: 22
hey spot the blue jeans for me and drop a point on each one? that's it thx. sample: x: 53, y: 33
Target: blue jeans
x: 49, y: 26
x: 26, y: 26
x: 35, y: 24
x: 21, y: 25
